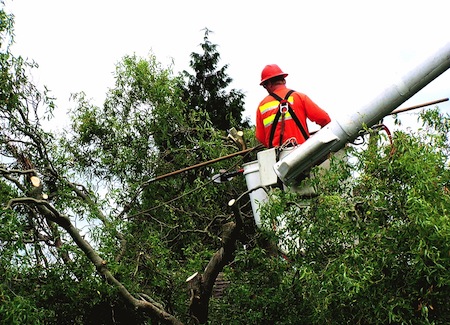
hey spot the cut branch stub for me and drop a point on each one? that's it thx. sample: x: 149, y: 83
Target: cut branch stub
x: 35, y: 181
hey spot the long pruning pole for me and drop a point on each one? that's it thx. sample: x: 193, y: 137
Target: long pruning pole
x: 246, y: 151
x: 401, y: 110
x: 243, y: 152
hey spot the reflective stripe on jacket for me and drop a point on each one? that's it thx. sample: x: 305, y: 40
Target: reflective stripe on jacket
x: 303, y: 107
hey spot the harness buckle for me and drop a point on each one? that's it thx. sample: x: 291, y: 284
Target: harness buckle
x: 284, y: 107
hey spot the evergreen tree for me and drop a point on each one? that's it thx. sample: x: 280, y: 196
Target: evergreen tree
x: 206, y: 90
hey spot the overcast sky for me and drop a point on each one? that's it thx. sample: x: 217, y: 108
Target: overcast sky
x: 341, y: 53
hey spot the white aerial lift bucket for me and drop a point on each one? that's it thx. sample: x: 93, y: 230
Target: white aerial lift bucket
x: 260, y: 173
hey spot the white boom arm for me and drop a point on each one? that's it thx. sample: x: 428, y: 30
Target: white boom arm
x: 339, y: 132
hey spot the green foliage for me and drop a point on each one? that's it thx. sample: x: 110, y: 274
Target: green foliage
x: 206, y: 90
x: 16, y: 309
x: 373, y: 249
x: 121, y: 138
x: 261, y: 292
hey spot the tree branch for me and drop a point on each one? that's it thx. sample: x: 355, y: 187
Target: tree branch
x: 201, y: 285
x: 52, y: 214
x: 85, y: 197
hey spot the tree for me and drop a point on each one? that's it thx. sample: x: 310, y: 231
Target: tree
x: 54, y: 265
x: 206, y: 90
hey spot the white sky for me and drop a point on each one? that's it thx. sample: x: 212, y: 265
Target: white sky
x: 341, y: 53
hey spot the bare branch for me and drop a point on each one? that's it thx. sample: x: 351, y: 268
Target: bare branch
x: 17, y: 171
x: 201, y: 285
x: 15, y: 181
x: 30, y: 200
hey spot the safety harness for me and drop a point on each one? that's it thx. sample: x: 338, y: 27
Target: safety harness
x: 283, y: 108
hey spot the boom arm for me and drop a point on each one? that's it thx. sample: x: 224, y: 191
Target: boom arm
x: 339, y: 132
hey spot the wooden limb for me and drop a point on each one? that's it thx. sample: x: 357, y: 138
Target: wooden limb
x: 201, y: 285
x: 45, y: 208
x: 15, y: 181
x: 58, y: 242
x: 17, y: 171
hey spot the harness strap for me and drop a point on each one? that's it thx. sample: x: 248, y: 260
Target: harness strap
x: 281, y: 112
x: 274, y: 126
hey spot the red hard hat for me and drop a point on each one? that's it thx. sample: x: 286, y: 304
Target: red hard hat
x: 270, y: 71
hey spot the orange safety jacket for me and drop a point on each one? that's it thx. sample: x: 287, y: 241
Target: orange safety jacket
x: 303, y: 108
